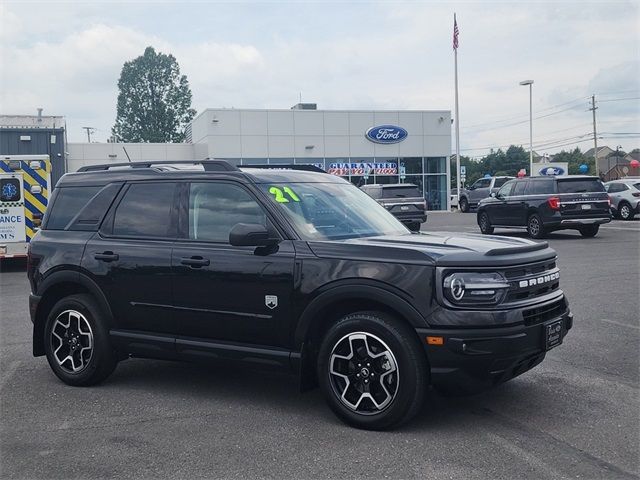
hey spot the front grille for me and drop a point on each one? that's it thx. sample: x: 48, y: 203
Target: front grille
x: 541, y: 314
x: 531, y: 281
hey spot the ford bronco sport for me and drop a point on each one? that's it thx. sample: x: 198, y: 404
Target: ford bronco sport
x: 287, y: 269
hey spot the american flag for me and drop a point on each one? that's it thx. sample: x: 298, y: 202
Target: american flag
x: 455, y: 32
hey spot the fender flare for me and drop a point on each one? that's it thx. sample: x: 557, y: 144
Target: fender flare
x: 80, y: 278
x: 355, y: 290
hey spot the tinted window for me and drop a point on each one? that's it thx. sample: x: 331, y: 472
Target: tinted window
x: 91, y: 215
x: 482, y: 183
x: 636, y: 186
x: 506, y: 189
x: 145, y: 211
x: 409, y: 191
x: 580, y: 185
x: 616, y: 187
x: 68, y: 203
x: 500, y: 182
x: 215, y: 208
x: 540, y: 187
x: 519, y: 188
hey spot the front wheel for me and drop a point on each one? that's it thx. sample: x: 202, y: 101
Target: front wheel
x: 535, y: 227
x: 485, y: 224
x: 76, y: 341
x: 372, y: 370
x: 414, y: 226
x: 589, y: 231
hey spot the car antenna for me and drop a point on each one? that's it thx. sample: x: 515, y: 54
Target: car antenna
x: 125, y: 152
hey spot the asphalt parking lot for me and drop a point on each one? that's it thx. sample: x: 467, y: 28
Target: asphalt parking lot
x: 573, y: 416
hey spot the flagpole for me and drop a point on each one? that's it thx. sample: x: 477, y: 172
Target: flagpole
x: 455, y: 53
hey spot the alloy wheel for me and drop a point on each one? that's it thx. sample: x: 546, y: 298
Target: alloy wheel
x: 625, y: 212
x: 72, y: 341
x: 363, y: 373
x: 534, y: 226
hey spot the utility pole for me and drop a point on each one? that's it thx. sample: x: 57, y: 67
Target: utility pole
x: 595, y: 135
x: 89, y: 130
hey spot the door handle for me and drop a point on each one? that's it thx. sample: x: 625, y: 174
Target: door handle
x: 106, y: 256
x: 195, y: 261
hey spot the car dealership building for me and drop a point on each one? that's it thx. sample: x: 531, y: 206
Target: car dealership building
x: 364, y: 146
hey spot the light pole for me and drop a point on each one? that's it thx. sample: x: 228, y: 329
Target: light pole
x: 530, y: 83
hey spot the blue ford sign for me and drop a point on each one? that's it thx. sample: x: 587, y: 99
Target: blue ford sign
x: 386, y: 134
x: 552, y: 171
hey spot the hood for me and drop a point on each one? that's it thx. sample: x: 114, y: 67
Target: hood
x: 439, y: 248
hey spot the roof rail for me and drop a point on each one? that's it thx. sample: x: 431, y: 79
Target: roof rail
x: 306, y: 168
x: 208, y: 165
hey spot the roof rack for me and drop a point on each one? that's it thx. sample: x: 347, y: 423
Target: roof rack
x: 208, y: 165
x: 306, y: 168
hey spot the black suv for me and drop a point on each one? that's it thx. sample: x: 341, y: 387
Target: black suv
x: 293, y: 270
x: 545, y: 204
x: 403, y: 200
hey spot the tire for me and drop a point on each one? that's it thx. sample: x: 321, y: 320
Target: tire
x: 589, y: 231
x: 625, y: 212
x: 414, y: 226
x: 77, y: 341
x: 535, y: 228
x: 485, y: 224
x: 464, y: 205
x: 372, y: 347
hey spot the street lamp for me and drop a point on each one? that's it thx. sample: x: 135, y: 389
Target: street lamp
x: 530, y: 83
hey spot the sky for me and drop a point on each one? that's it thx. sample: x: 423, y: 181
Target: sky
x: 66, y: 57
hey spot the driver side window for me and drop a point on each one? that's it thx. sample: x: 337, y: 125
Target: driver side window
x: 215, y: 208
x: 506, y: 190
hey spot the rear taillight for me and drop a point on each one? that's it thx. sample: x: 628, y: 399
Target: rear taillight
x: 554, y: 203
x: 609, y: 200
x: 424, y: 203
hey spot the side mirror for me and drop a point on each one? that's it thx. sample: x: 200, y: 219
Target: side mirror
x: 494, y: 194
x: 250, y: 235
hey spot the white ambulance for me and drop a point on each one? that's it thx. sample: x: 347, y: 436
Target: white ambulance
x: 25, y: 185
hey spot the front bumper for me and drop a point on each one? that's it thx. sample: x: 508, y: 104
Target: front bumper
x: 474, y: 359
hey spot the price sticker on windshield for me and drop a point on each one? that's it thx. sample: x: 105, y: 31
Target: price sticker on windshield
x: 282, y: 195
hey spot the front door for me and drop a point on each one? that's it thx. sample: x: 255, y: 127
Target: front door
x: 223, y: 292
x: 480, y: 190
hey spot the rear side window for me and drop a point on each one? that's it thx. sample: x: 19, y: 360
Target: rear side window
x: 145, y: 211
x: 410, y: 191
x: 580, y: 185
x: 617, y: 187
x: 519, y: 189
x: 68, y: 203
x: 540, y: 187
x: 636, y: 186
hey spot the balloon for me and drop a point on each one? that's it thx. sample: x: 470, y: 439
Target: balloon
x: 583, y: 168
x: 634, y: 163
x: 487, y: 175
x: 522, y: 173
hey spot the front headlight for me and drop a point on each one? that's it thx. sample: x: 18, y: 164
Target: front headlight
x: 468, y: 289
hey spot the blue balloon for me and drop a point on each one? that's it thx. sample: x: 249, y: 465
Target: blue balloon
x: 583, y: 168
x: 487, y: 175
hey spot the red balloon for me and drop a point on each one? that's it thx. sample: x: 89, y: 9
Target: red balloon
x: 634, y: 163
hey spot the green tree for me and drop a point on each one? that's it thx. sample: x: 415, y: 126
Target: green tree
x: 154, y: 100
x: 575, y: 158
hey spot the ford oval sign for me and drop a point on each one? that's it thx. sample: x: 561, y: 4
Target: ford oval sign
x: 551, y: 171
x: 386, y: 134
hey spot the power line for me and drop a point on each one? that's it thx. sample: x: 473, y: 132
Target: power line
x: 619, y: 99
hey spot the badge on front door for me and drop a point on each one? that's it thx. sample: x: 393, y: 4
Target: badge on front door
x: 271, y: 301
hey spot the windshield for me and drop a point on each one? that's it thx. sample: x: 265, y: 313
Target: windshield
x: 332, y: 211
x: 580, y: 185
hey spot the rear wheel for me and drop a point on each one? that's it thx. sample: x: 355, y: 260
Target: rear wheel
x: 76, y: 341
x: 372, y: 371
x: 589, y: 231
x: 535, y: 227
x: 464, y: 205
x: 624, y: 211
x: 485, y: 224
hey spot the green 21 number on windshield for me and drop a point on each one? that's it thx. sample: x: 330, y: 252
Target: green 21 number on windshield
x: 279, y: 194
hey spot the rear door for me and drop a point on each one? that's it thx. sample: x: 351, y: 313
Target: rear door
x: 130, y: 259
x: 224, y: 292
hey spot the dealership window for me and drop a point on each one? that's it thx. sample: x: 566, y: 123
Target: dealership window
x: 318, y: 162
x: 435, y: 191
x: 281, y: 161
x: 435, y: 165
x: 255, y: 161
x: 412, y: 165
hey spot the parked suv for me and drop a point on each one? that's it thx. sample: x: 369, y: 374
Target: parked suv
x: 292, y: 270
x: 480, y: 189
x: 545, y: 204
x: 625, y: 197
x: 403, y: 200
